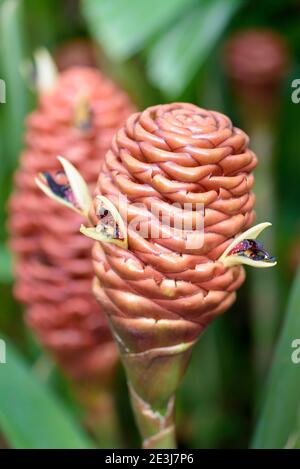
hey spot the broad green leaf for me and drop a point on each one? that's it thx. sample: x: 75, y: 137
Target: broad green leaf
x: 47, y: 22
x: 123, y: 26
x: 5, y: 265
x: 31, y: 417
x: 176, y: 57
x: 280, y: 410
x: 12, y: 40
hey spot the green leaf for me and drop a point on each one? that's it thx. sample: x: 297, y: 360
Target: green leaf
x: 280, y: 411
x: 47, y: 22
x: 123, y: 26
x: 176, y: 57
x: 5, y: 265
x: 31, y: 417
x: 12, y: 40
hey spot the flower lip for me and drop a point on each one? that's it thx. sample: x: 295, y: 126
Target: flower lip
x: 73, y: 192
x: 61, y: 193
x: 62, y: 190
x: 244, y: 249
x: 111, y: 227
x: 253, y: 250
x: 108, y: 224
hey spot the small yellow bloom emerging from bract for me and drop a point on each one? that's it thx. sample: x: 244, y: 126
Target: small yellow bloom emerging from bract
x: 74, y: 193
x: 244, y: 250
x: 111, y: 227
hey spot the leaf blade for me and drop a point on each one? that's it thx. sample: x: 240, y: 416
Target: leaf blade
x: 175, y: 58
x: 124, y: 26
x: 30, y: 415
x: 12, y: 40
x: 279, y: 414
x: 6, y: 275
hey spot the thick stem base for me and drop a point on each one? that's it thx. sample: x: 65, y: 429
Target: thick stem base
x: 156, y: 427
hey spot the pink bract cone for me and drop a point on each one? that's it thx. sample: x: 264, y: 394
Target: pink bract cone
x: 257, y: 61
x: 159, y: 293
x: 77, y: 118
x: 77, y: 52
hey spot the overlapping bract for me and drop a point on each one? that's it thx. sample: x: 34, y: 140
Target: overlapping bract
x: 53, y: 268
x: 159, y: 293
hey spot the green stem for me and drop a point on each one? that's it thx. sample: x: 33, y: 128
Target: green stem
x: 154, y: 369
x: 100, y: 417
x: 157, y: 428
x: 153, y: 377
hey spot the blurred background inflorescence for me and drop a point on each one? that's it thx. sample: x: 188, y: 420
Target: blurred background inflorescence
x: 237, y: 57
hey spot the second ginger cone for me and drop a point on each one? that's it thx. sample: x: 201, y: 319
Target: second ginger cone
x: 76, y: 117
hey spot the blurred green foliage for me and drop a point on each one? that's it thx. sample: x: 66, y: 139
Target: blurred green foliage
x: 177, y: 35
x: 51, y: 425
x: 159, y: 50
x: 281, y: 406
